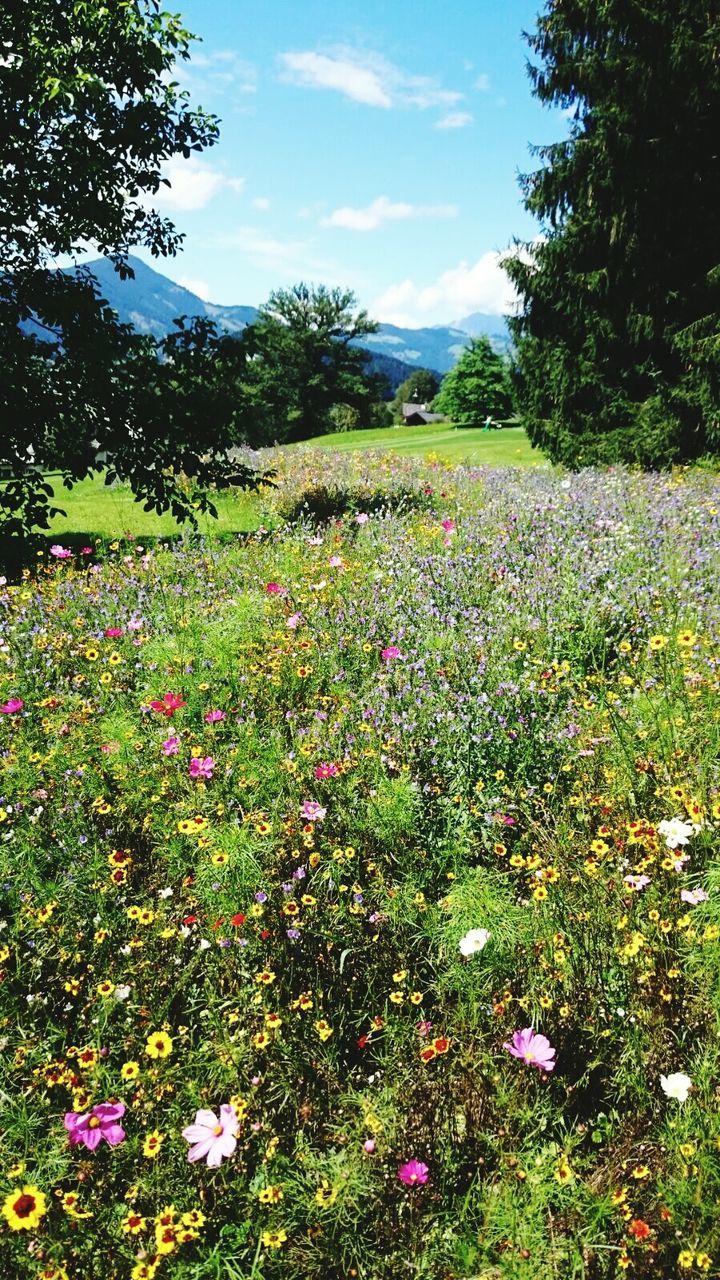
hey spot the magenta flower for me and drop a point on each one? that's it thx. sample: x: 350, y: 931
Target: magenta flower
x: 273, y: 588
x: 171, y: 746
x: 391, y: 652
x: 210, y: 1138
x: 169, y: 703
x: 112, y: 632
x: 90, y: 1127
x: 413, y: 1173
x: 534, y: 1049
x: 326, y: 771
x: 312, y: 811
x: 10, y: 707
x: 214, y: 717
x: 60, y: 553
x: 448, y: 525
x: 202, y: 767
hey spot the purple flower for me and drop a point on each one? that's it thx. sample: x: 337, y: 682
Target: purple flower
x: 534, y: 1049
x: 90, y: 1127
x: 413, y: 1173
x: 171, y: 746
x: 391, y: 652
x: 213, y: 717
x: 312, y: 811
x: 201, y: 767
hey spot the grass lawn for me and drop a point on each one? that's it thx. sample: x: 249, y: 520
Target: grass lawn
x: 94, y: 510
x: 101, y: 511
x: 507, y: 447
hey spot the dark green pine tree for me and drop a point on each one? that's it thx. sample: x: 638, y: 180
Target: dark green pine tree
x: 618, y: 343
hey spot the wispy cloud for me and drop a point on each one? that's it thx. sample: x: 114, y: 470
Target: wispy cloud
x: 221, y: 73
x: 193, y: 184
x: 482, y: 84
x: 454, y: 120
x: 200, y: 288
x: 384, y: 210
x: 467, y: 287
x: 364, y: 77
x: 290, y: 260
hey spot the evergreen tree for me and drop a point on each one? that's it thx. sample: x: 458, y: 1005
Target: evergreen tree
x: 476, y: 388
x: 618, y: 345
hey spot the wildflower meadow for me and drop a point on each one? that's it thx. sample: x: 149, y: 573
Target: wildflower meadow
x: 360, y: 894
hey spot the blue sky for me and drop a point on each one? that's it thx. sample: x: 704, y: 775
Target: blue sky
x: 372, y: 146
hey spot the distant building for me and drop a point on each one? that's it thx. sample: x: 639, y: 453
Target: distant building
x: 414, y: 415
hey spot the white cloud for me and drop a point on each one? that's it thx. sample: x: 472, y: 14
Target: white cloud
x: 220, y: 73
x: 454, y: 120
x: 478, y: 286
x: 482, y: 84
x: 364, y: 77
x: 193, y: 184
x: 290, y: 260
x: 261, y: 202
x: 199, y: 287
x: 384, y: 210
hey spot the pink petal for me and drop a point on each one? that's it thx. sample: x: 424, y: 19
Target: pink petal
x: 91, y: 1138
x: 200, y: 1149
x: 113, y: 1134
x: 199, y: 1133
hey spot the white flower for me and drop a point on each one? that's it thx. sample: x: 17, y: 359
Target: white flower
x: 122, y: 993
x: 474, y: 940
x: 676, y: 832
x: 677, y: 1085
x: 165, y: 893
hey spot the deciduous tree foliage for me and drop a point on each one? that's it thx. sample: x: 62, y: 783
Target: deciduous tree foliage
x: 478, y: 386
x: 89, y: 113
x: 420, y: 388
x: 618, y: 343
x: 307, y: 361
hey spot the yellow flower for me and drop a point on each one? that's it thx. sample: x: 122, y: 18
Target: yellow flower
x: 326, y: 1194
x: 133, y: 1224
x: 323, y: 1029
x: 159, y: 1045
x: 270, y: 1195
x: 657, y: 643
x: 152, y: 1144
x: 24, y: 1209
x: 274, y: 1239
x: 685, y: 1259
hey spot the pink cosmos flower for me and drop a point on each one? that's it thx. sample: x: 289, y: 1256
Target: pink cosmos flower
x: 391, y: 652
x: 214, y: 717
x: 86, y: 551
x: 534, y: 1049
x: 212, y: 1139
x: 448, y: 525
x: 693, y: 896
x: 112, y: 632
x: 170, y: 702
x: 326, y: 771
x: 273, y: 588
x: 294, y: 621
x: 336, y: 562
x: 311, y: 811
x: 362, y: 517
x: 413, y: 1173
x: 60, y: 553
x: 10, y: 707
x: 171, y: 746
x: 636, y: 883
x: 202, y: 767
x: 90, y: 1127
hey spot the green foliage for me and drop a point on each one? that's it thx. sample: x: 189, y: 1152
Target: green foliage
x: 476, y: 388
x: 618, y: 344
x: 419, y: 388
x: 306, y: 362
x: 91, y: 113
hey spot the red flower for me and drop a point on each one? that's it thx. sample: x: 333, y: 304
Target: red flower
x: 237, y: 919
x: 639, y: 1229
x: 363, y: 1041
x: 190, y: 920
x: 265, y: 933
x: 170, y: 702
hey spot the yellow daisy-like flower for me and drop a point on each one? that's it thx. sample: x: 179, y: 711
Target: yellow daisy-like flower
x: 133, y: 1224
x: 25, y: 1208
x: 152, y: 1144
x: 323, y: 1029
x: 657, y: 643
x: 270, y: 1195
x: 326, y: 1194
x: 130, y: 1071
x: 274, y: 1239
x: 159, y: 1045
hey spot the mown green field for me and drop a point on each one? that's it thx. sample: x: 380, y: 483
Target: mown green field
x: 96, y: 510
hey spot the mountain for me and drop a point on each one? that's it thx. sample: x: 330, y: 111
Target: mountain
x: 481, y: 324
x: 151, y: 303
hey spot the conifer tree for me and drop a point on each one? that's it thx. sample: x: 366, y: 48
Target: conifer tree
x: 618, y: 343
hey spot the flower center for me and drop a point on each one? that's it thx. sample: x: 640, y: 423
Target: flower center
x: 93, y: 1123
x: 24, y: 1206
x: 217, y: 1130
